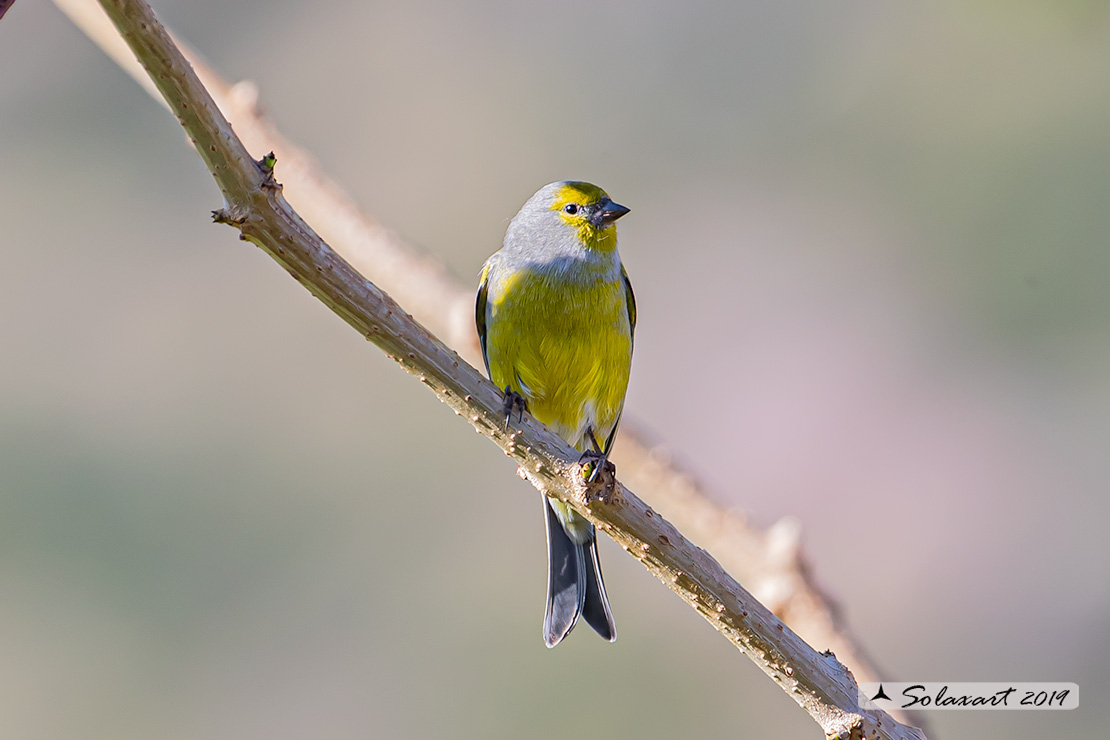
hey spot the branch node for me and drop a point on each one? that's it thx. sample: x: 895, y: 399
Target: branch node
x: 266, y: 166
x: 231, y: 216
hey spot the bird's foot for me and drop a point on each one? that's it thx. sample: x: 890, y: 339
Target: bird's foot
x: 513, y: 400
x: 597, y: 469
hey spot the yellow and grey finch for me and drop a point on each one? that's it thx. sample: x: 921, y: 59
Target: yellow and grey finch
x: 555, y: 314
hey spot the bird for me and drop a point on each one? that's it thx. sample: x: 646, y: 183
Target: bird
x: 555, y: 314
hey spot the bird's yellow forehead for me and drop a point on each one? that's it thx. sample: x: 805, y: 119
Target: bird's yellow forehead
x: 581, y: 193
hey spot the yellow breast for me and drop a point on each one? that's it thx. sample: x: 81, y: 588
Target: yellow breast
x: 565, y: 346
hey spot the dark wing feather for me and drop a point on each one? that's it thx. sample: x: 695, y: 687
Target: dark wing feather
x: 630, y: 299
x: 480, y: 312
x: 630, y: 303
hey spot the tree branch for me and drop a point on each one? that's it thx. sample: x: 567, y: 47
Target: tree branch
x: 770, y: 561
x: 255, y: 204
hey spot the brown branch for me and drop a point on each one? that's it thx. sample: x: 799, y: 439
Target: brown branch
x: 255, y: 205
x: 769, y: 561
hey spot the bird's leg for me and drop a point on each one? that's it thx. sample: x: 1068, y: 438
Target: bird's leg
x: 513, y: 400
x: 599, y: 462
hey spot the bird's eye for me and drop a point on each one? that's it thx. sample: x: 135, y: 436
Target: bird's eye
x: 571, y: 208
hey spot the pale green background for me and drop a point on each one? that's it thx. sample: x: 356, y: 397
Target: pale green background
x: 871, y: 247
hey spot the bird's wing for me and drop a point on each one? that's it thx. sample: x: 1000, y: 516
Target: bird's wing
x: 630, y: 299
x: 630, y: 304
x: 480, y: 311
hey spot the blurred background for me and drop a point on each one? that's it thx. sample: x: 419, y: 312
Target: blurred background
x: 870, y: 246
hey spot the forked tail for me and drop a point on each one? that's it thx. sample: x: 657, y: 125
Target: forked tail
x: 574, y: 584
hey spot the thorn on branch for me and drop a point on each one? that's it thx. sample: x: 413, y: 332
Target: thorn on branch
x: 224, y: 216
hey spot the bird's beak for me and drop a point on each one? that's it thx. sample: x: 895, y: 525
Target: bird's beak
x: 608, y: 213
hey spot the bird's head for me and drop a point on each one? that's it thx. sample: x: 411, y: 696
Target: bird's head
x: 582, y: 208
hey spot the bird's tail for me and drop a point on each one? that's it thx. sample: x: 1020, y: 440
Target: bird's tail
x: 574, y: 584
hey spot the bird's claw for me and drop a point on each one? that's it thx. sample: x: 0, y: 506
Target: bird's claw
x: 513, y: 400
x: 597, y: 462
x: 602, y: 475
x: 600, y: 467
